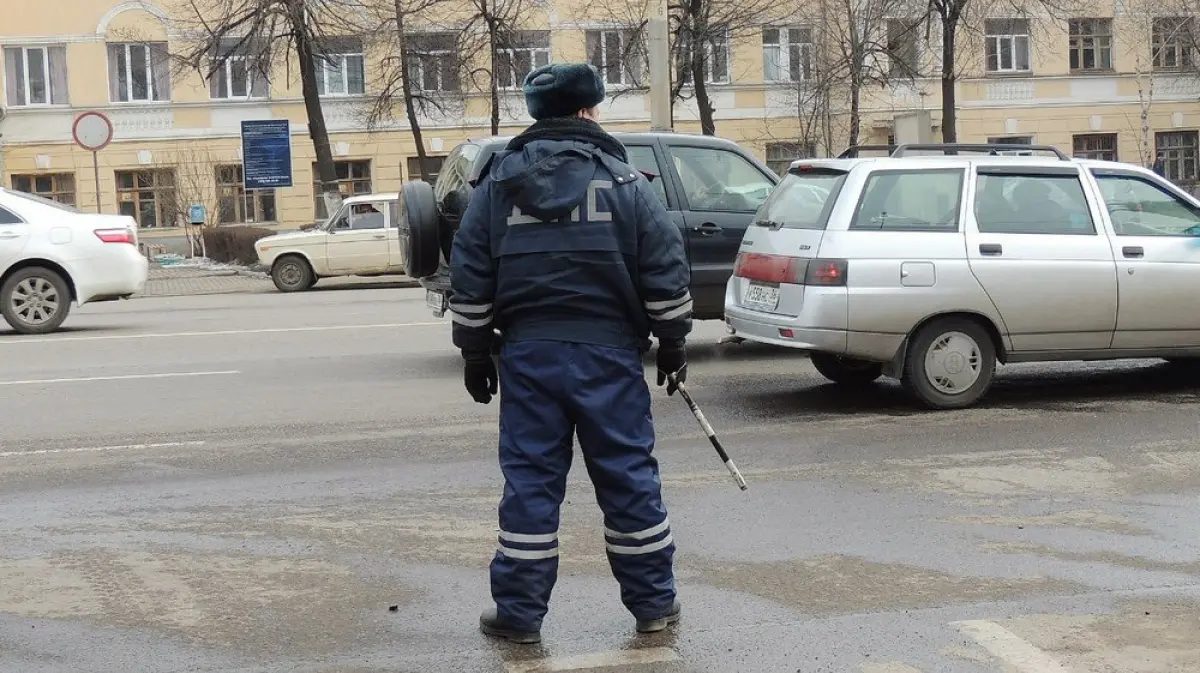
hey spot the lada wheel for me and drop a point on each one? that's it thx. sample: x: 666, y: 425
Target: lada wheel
x: 35, y: 300
x: 950, y: 364
x: 846, y: 371
x: 292, y: 274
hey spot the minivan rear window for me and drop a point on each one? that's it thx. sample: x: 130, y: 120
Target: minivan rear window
x: 802, y: 200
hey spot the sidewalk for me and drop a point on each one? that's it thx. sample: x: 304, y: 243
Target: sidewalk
x: 178, y: 281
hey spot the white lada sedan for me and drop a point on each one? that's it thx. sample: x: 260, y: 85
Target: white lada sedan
x: 53, y: 254
x: 360, y: 239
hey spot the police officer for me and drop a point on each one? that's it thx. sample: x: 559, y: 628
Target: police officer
x: 568, y: 252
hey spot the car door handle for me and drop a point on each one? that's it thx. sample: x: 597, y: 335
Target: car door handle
x: 9, y: 234
x: 991, y: 249
x: 708, y: 229
x: 1133, y: 251
x: 379, y: 237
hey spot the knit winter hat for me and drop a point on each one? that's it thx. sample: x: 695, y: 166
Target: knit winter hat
x: 562, y: 89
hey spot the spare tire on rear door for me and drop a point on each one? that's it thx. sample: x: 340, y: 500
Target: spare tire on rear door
x: 419, y: 223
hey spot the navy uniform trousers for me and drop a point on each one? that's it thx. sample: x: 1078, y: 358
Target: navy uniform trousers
x: 549, y: 391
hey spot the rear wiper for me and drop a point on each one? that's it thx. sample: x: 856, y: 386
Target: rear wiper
x: 770, y: 224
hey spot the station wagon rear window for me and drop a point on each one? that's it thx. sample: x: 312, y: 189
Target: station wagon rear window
x: 802, y: 200
x: 911, y: 200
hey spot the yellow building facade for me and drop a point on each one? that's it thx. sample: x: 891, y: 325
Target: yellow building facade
x: 1110, y: 84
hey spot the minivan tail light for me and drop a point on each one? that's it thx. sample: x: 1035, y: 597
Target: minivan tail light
x: 768, y: 268
x: 116, y: 236
x: 826, y: 272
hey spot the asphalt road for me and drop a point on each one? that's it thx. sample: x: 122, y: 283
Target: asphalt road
x: 248, y: 483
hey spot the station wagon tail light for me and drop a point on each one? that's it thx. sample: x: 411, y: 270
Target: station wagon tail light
x: 116, y: 236
x: 767, y: 268
x: 826, y: 272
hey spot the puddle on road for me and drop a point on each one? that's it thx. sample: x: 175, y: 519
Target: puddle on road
x: 836, y: 584
x: 250, y: 604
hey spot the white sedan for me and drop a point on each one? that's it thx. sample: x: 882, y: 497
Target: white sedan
x: 52, y: 254
x: 360, y: 239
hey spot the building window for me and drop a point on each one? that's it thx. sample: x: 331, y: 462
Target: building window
x: 617, y: 54
x: 236, y: 204
x: 1007, y: 45
x: 238, y: 73
x: 56, y: 186
x: 527, y: 51
x: 339, y: 67
x: 1178, y: 152
x: 353, y: 177
x: 433, y: 63
x: 903, y: 48
x: 715, y: 56
x: 1090, y: 44
x: 1172, y: 44
x: 1101, y: 146
x: 433, y: 164
x: 35, y: 76
x: 138, y: 72
x: 781, y: 155
x: 148, y: 197
x: 787, y: 54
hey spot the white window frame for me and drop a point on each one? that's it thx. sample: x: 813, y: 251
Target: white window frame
x: 151, y: 93
x: 782, y: 58
x: 226, y: 71
x: 45, y: 49
x: 325, y: 69
x: 616, y: 63
x: 534, y: 52
x: 1099, y: 41
x: 1177, y: 41
x: 722, y: 36
x: 416, y: 64
x: 994, y: 40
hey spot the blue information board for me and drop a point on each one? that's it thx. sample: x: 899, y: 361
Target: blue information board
x: 266, y: 154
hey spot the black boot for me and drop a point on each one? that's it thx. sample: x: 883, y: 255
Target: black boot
x: 656, y: 625
x: 491, y: 624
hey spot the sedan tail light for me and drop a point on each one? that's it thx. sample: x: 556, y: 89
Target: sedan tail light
x: 116, y: 236
x: 793, y: 270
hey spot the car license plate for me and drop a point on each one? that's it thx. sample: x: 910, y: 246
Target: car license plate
x: 761, y: 297
x: 436, y: 301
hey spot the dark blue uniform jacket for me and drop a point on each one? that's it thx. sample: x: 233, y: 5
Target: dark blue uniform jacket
x: 562, y: 241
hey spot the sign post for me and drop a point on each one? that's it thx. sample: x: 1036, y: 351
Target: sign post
x: 266, y: 154
x: 93, y: 132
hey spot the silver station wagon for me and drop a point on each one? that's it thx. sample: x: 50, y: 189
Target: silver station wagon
x: 932, y: 269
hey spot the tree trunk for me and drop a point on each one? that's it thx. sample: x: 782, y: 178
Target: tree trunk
x: 410, y: 109
x: 326, y: 173
x: 708, y: 125
x: 949, y: 112
x: 493, y: 52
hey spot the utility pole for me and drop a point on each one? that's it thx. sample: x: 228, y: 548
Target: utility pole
x: 660, y: 65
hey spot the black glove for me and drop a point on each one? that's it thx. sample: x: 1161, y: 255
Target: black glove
x: 672, y: 359
x: 479, y: 376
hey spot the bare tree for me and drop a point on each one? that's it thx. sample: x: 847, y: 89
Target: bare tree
x: 702, y: 36
x: 194, y: 169
x: 419, y: 72
x: 235, y: 43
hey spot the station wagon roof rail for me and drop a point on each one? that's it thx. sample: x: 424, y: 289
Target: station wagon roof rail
x: 993, y: 149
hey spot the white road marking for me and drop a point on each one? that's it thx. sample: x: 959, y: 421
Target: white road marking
x: 649, y: 655
x: 97, y: 449
x: 224, y: 332
x: 1010, y: 648
x: 126, y: 377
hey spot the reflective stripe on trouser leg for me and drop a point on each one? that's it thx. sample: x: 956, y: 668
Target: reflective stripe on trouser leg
x: 611, y: 405
x: 535, y: 457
